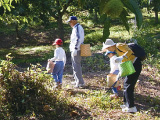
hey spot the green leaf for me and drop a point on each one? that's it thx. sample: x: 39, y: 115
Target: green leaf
x: 1, y: 2
x: 138, y: 13
x: 11, y: 2
x: 133, y: 7
x: 81, y: 3
x: 106, y: 31
x: 7, y: 7
x: 102, y: 5
x: 123, y: 17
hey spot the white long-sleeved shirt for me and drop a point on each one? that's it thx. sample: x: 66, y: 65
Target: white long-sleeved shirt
x: 59, y: 55
x: 77, y: 37
x: 113, y: 65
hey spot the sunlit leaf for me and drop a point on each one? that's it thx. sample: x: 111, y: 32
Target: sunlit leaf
x: 133, y: 7
x: 124, y: 19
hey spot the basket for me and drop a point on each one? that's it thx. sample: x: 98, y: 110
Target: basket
x: 50, y: 66
x: 126, y: 68
x: 111, y: 79
x: 85, y: 50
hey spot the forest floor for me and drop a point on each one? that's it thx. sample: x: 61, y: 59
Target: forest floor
x: 147, y: 94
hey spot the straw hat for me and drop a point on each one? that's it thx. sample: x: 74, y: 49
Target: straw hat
x: 107, y: 44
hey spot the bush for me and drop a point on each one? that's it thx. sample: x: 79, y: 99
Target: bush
x: 93, y: 38
x: 29, y: 93
x: 94, y: 63
x: 145, y: 39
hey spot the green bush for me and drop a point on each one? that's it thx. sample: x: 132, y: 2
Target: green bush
x: 93, y: 38
x: 146, y: 40
x: 29, y: 93
x: 94, y: 63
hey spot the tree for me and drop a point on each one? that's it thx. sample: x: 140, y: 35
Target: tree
x: 117, y: 9
x: 155, y: 6
x: 27, y: 11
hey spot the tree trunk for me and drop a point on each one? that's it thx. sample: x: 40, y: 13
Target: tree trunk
x: 156, y: 17
x: 18, y: 37
x: 96, y: 16
x: 60, y: 28
x: 156, y: 5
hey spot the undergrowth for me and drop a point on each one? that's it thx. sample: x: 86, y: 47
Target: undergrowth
x: 29, y: 93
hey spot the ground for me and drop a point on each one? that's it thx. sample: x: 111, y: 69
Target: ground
x: 147, y: 93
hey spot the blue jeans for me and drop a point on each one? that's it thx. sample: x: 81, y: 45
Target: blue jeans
x: 114, y: 89
x: 58, y: 71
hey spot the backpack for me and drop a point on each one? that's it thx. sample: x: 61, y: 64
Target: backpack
x: 138, y: 51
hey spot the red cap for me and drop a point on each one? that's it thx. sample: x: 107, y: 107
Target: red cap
x: 58, y: 42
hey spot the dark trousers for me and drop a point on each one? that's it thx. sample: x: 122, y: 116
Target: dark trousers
x: 129, y: 84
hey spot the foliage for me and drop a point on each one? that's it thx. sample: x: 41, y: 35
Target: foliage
x: 94, y: 63
x: 93, y: 38
x: 144, y: 38
x: 107, y: 7
x: 155, y: 6
x: 7, y: 5
x: 28, y: 93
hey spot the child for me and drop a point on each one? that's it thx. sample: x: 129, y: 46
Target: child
x: 59, y: 61
x: 114, y: 70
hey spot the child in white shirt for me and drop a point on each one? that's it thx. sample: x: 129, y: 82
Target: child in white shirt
x: 59, y: 60
x: 114, y: 70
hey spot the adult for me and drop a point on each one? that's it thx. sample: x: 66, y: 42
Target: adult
x: 76, y: 39
x: 126, y: 54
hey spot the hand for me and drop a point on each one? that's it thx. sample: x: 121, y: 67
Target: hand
x: 125, y: 55
x: 119, y: 59
x: 74, y: 53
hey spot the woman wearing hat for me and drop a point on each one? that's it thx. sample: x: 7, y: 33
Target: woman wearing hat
x: 60, y: 61
x: 126, y: 54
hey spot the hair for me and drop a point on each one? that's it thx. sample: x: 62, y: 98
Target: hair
x: 60, y: 45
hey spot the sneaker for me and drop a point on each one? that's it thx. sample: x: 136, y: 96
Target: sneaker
x: 123, y: 106
x: 73, y: 83
x: 81, y: 85
x: 129, y: 110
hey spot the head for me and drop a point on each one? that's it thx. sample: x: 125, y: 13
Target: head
x: 72, y: 20
x: 58, y: 42
x: 109, y: 45
x: 110, y: 53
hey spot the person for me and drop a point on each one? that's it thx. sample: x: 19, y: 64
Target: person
x: 126, y: 54
x: 113, y: 71
x: 59, y: 60
x: 76, y: 39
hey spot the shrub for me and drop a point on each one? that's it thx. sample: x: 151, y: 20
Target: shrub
x: 29, y: 93
x: 93, y: 38
x: 145, y: 39
x: 94, y: 63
